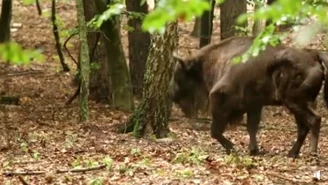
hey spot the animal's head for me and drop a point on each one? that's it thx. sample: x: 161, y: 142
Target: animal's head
x: 186, y: 80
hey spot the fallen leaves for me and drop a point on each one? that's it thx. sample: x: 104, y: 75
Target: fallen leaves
x: 44, y: 134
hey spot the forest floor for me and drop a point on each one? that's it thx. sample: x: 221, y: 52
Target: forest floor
x: 45, y: 135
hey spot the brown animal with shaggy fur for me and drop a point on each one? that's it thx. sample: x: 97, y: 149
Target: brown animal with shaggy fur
x: 279, y: 76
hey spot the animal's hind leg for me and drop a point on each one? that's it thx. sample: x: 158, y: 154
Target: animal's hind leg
x: 253, y: 121
x: 302, y: 131
x: 315, y: 122
x: 306, y: 119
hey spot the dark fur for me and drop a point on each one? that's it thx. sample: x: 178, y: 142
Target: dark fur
x: 277, y: 76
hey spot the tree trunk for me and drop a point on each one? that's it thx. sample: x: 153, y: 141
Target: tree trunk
x: 196, y: 30
x: 122, y: 96
x: 229, y: 12
x: 139, y: 43
x: 206, y: 26
x: 85, y: 63
x: 258, y: 25
x: 155, y: 108
x: 99, y: 78
x: 5, y: 20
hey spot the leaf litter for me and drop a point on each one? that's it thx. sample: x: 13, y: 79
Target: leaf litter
x: 45, y: 137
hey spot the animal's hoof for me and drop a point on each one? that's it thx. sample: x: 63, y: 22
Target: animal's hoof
x: 292, y: 154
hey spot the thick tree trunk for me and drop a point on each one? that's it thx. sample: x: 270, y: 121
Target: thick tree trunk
x: 99, y: 78
x: 122, y: 96
x: 5, y: 20
x: 229, y: 12
x: 139, y: 43
x: 206, y: 26
x: 84, y: 63
x: 155, y: 108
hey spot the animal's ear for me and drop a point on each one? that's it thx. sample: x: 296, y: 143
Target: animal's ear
x: 180, y: 60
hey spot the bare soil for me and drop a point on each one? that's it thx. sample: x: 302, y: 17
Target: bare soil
x: 45, y: 135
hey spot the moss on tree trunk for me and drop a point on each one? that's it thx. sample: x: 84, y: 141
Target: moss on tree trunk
x: 154, y: 110
x: 85, y: 63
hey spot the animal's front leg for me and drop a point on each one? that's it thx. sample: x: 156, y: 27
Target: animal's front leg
x: 253, y: 120
x: 219, y: 119
x: 218, y: 126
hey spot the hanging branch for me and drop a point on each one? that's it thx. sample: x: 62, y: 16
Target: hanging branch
x: 56, y: 34
x: 68, y: 52
x: 77, y: 92
x: 38, y: 7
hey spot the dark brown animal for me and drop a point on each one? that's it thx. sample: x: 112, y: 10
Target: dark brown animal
x: 279, y: 76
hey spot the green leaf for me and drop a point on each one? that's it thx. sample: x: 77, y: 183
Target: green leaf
x: 169, y: 10
x: 13, y: 53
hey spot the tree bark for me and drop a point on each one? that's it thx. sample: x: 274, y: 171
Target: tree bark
x: 258, y: 25
x: 99, y: 78
x: 85, y: 63
x: 122, y: 96
x: 139, y: 43
x: 206, y: 25
x: 154, y: 110
x: 229, y: 12
x: 5, y: 20
x: 196, y: 30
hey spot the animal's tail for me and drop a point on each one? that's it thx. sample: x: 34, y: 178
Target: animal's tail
x: 324, y: 61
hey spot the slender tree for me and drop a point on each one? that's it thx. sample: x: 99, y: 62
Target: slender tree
x: 206, y: 25
x: 154, y: 110
x: 122, y: 96
x: 99, y: 77
x: 258, y: 25
x: 139, y: 43
x: 55, y: 31
x: 84, y: 63
x: 229, y: 12
x: 5, y: 20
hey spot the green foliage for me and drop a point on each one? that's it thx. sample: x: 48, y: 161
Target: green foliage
x: 195, y: 156
x: 241, y: 161
x: 168, y: 10
x: 283, y: 12
x: 15, y: 54
x: 108, y: 162
x: 113, y: 9
x: 28, y: 2
x: 96, y: 181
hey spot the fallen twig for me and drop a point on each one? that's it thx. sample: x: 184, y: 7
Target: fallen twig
x: 78, y: 170
x: 9, y: 174
x: 22, y: 180
x: 277, y: 175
